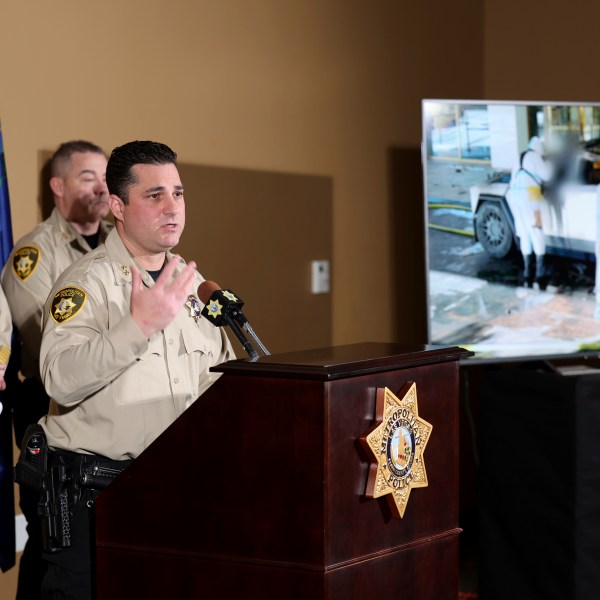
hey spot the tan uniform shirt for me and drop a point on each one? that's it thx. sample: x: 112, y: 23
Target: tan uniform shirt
x: 5, y: 329
x: 33, y: 266
x: 112, y: 391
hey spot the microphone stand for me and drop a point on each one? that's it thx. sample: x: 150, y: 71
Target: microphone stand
x: 232, y: 315
x: 255, y: 338
x: 252, y: 353
x: 237, y: 316
x: 242, y: 338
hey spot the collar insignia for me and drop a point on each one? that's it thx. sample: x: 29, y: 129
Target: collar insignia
x: 126, y: 270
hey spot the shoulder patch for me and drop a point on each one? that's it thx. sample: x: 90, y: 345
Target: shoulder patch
x: 67, y: 303
x: 25, y: 260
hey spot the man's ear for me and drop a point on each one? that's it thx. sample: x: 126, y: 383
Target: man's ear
x: 116, y: 206
x: 57, y: 186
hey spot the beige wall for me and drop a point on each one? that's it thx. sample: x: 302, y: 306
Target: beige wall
x: 541, y: 50
x: 316, y: 87
x: 311, y: 87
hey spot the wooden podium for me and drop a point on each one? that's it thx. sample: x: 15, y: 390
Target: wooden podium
x: 257, y: 490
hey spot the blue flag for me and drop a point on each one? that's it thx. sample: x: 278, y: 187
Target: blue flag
x: 7, y: 503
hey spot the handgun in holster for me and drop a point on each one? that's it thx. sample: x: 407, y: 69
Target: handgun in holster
x: 33, y: 461
x: 52, y: 482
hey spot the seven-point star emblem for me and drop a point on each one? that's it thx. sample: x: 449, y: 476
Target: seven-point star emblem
x: 397, y: 441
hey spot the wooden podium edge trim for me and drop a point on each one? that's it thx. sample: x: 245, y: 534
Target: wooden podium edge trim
x: 107, y: 548
x: 331, y: 372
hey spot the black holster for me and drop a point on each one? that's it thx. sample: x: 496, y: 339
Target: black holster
x: 60, y: 476
x: 51, y: 481
x: 53, y: 508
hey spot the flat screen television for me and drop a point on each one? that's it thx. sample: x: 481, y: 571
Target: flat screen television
x: 479, y: 296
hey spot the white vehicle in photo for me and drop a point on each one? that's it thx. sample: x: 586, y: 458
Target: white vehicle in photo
x: 568, y: 217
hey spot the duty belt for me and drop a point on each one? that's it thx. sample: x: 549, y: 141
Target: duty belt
x: 88, y: 470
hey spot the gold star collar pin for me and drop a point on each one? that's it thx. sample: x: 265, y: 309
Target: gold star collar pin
x: 397, y: 441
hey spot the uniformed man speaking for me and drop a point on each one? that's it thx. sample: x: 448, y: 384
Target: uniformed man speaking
x: 124, y: 351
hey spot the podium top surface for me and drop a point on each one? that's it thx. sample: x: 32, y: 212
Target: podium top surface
x: 338, y: 362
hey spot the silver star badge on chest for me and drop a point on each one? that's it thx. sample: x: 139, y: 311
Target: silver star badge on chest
x: 195, y: 309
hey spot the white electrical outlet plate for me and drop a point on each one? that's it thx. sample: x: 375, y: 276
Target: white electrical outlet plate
x: 320, y: 277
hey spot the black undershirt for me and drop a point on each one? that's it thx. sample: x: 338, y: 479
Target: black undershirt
x: 93, y: 239
x: 155, y: 274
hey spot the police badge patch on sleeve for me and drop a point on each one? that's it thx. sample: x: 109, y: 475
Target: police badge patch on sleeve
x: 67, y: 303
x: 25, y: 260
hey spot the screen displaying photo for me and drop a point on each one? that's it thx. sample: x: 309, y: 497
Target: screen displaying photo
x: 512, y: 217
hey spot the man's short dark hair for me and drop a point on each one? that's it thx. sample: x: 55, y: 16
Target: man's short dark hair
x: 119, y: 176
x: 62, y: 157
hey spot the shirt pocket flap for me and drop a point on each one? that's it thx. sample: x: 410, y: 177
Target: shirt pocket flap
x: 155, y: 346
x: 195, y: 341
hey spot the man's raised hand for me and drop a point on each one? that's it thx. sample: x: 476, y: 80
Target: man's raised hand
x: 155, y: 307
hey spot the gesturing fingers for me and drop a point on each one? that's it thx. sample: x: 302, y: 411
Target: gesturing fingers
x: 182, y: 282
x: 167, y: 272
x: 176, y: 284
x: 155, y: 307
x: 136, y: 279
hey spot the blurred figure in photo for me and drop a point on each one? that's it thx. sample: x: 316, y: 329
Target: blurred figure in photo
x: 526, y: 187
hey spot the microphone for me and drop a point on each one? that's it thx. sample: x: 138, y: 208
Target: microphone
x: 224, y: 307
